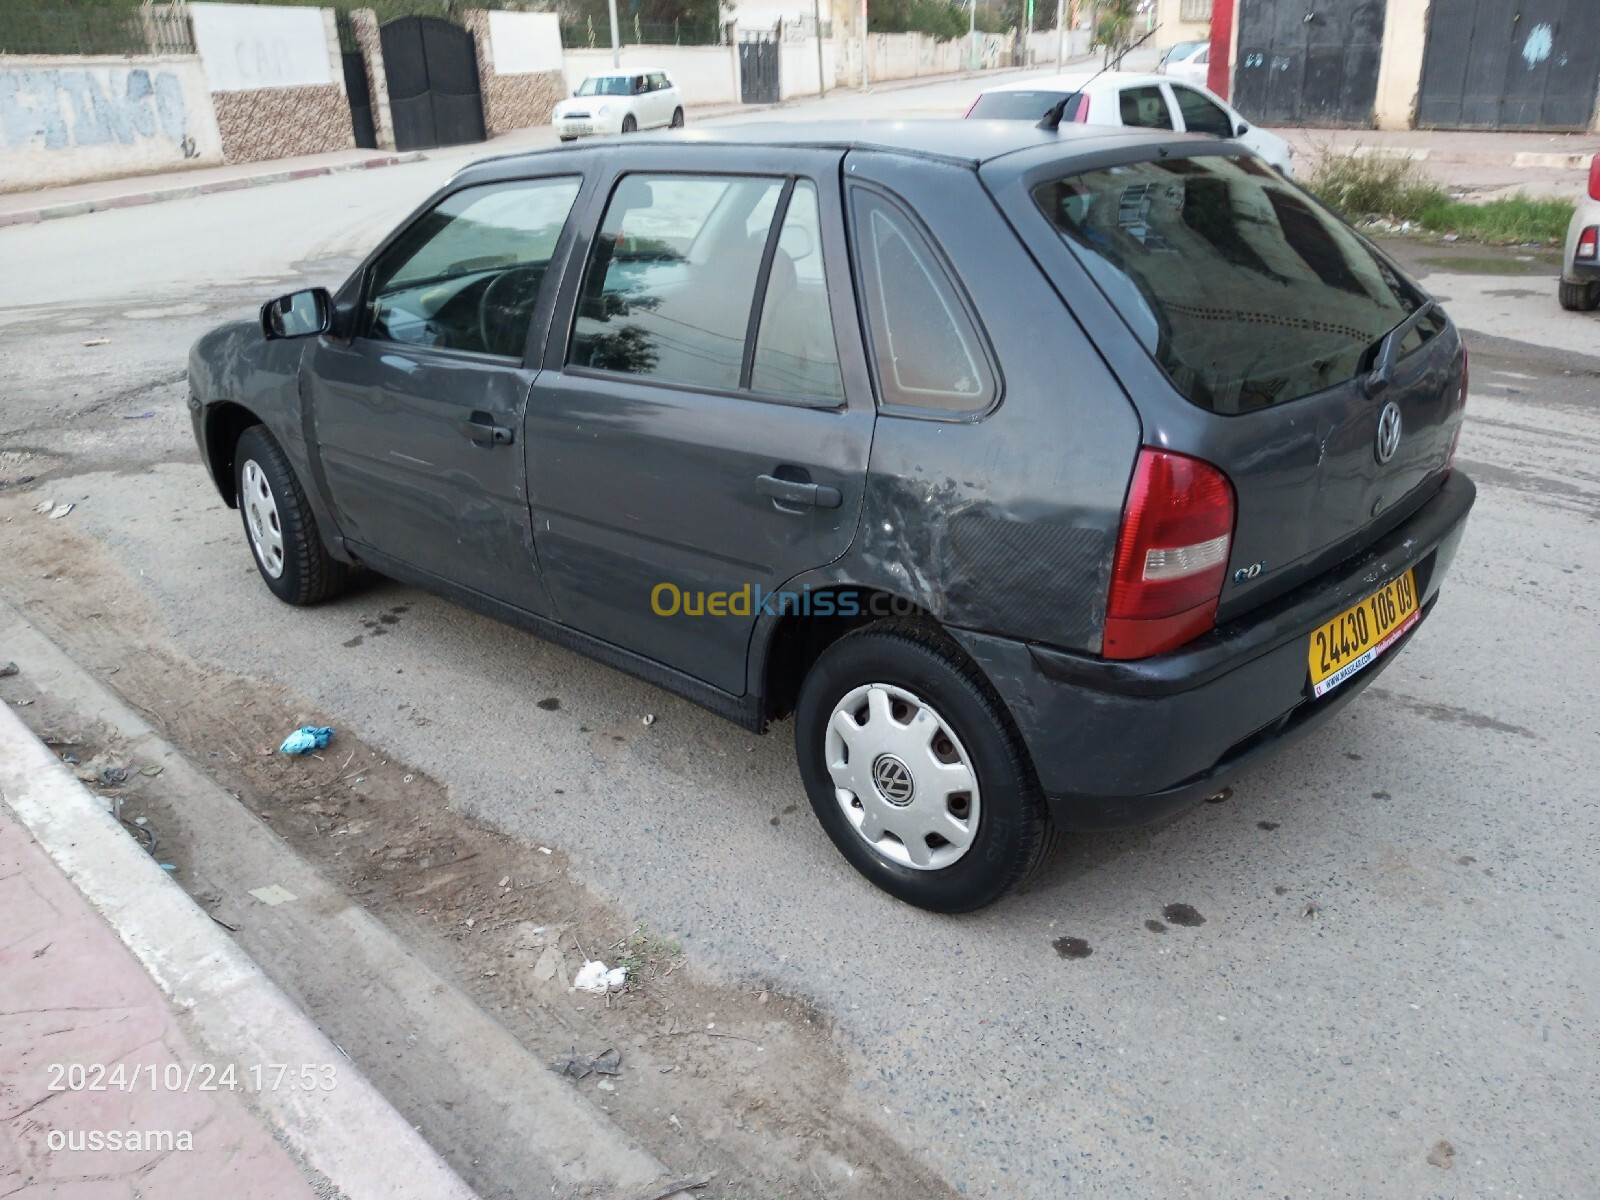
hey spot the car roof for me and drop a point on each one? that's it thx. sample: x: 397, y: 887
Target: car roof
x: 1078, y: 80
x: 627, y: 74
x: 970, y: 143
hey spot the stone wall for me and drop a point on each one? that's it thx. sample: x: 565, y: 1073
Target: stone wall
x: 511, y: 101
x: 364, y: 23
x: 283, y: 122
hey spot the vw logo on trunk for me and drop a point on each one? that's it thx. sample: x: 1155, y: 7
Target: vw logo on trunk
x: 893, y: 779
x: 1389, y: 423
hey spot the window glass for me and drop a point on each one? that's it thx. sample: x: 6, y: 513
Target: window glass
x: 1201, y: 115
x: 796, y: 354
x: 1145, y: 107
x: 926, y: 347
x: 658, y: 82
x: 466, y: 275
x: 1022, y: 105
x: 1245, y: 289
x: 671, y: 278
x: 605, y: 85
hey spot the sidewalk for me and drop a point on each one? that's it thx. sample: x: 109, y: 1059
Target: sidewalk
x: 140, y: 1050
x: 1482, y: 164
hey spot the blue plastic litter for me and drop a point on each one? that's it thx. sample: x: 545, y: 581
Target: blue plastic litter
x: 305, y: 740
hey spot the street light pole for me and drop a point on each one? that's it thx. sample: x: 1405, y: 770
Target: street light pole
x: 1061, y: 32
x: 816, y: 18
x: 616, y: 40
x: 863, y: 45
x: 972, y: 34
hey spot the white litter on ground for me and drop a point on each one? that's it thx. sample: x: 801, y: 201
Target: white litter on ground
x: 593, y: 977
x: 273, y: 894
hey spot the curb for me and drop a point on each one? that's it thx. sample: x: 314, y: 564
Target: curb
x: 351, y: 1135
x: 564, y: 1140
x: 77, y: 208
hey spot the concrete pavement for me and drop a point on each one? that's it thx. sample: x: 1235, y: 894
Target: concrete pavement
x: 140, y: 1050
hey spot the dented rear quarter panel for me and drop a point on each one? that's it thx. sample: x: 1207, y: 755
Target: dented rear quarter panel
x: 1005, y: 523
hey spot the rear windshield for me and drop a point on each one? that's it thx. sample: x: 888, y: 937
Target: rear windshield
x: 1022, y: 106
x: 1244, y: 288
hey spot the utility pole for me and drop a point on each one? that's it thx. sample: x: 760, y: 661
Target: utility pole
x: 816, y: 17
x: 1061, y: 32
x: 863, y: 45
x: 616, y: 40
x: 972, y: 35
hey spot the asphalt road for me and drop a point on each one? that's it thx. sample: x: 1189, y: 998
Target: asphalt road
x: 1398, y: 945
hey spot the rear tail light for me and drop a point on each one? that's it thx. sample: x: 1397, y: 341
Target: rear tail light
x: 972, y: 106
x: 1594, y: 177
x: 1588, y: 243
x: 1172, y: 555
x: 1081, y: 116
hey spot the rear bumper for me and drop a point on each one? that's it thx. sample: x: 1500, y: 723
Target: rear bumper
x: 1120, y: 744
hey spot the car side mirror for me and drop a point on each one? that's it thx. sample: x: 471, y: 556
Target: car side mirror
x: 299, y: 314
x: 1241, y: 129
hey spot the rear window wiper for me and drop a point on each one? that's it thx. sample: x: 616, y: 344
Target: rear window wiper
x: 1377, y: 380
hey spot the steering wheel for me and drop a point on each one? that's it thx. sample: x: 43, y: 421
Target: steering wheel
x: 505, y: 321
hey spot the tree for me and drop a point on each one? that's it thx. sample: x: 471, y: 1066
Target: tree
x: 1114, y: 27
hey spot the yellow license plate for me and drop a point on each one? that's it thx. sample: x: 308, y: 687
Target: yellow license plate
x: 1358, y: 635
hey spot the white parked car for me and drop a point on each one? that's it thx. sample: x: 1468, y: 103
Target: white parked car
x: 1580, y: 264
x: 1188, y: 61
x: 1136, y: 100
x: 619, y: 102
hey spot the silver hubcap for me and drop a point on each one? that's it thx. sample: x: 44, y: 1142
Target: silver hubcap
x: 902, y: 777
x: 261, y: 518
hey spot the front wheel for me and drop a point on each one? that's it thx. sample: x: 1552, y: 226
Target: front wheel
x: 629, y: 125
x: 1580, y: 297
x: 915, y: 770
x: 279, y: 525
x: 677, y: 119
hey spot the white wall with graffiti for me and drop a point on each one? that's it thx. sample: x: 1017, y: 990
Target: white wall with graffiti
x: 66, y: 120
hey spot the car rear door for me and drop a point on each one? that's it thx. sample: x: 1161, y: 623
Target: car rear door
x: 701, y: 431
x: 416, y: 415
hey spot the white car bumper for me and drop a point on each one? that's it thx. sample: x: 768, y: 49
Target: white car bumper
x: 586, y: 126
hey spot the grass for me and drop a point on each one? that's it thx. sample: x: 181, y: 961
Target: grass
x: 1362, y: 186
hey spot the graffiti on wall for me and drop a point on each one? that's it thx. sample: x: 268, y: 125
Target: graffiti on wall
x: 62, y: 108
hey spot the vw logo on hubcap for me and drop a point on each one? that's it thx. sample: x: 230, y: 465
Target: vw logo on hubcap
x: 1388, y: 432
x: 893, y: 780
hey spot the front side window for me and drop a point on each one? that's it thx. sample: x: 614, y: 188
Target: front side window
x: 671, y: 278
x: 926, y: 347
x: 1145, y: 108
x: 467, y: 274
x: 1244, y: 289
x: 1201, y: 115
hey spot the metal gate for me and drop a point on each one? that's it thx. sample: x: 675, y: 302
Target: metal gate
x: 1311, y: 63
x: 432, y: 71
x: 1534, y: 64
x: 758, y: 68
x: 355, y: 88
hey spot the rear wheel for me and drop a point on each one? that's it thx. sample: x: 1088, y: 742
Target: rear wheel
x: 279, y: 525
x: 915, y: 770
x: 677, y: 118
x: 1580, y: 297
x: 629, y: 125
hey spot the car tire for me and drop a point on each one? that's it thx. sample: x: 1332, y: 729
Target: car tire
x: 629, y: 125
x: 677, y: 119
x: 279, y: 525
x: 921, y: 708
x: 569, y: 138
x: 1579, y: 297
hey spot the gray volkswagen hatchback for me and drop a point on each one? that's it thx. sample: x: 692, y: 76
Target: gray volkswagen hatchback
x: 1047, y: 477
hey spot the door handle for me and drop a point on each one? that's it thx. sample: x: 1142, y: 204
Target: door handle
x: 794, y: 491
x: 481, y: 430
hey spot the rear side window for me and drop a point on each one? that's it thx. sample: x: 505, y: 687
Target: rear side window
x: 1022, y: 106
x: 1201, y: 115
x: 1145, y: 107
x: 1245, y: 289
x: 926, y: 349
x: 672, y: 278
